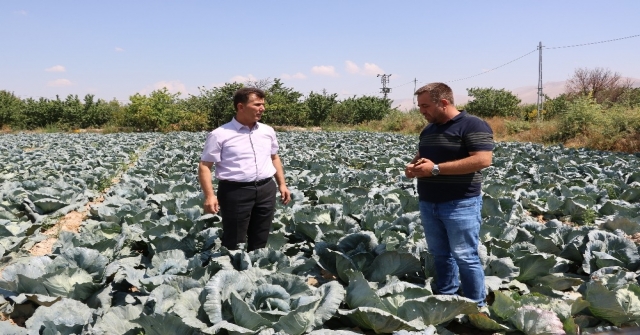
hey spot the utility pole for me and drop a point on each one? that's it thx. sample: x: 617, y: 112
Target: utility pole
x: 540, y: 101
x: 385, y: 79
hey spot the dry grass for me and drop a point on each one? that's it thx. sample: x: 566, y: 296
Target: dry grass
x: 536, y: 132
x: 498, y: 126
x: 410, y: 122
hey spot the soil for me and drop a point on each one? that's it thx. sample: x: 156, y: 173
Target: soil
x: 18, y: 320
x: 635, y: 238
x: 70, y: 222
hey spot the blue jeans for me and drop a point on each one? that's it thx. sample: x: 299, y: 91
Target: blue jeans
x: 452, y: 230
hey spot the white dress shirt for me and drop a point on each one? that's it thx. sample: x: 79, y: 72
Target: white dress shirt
x: 240, y: 153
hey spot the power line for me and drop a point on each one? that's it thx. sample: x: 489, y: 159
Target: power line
x: 527, y: 54
x: 584, y: 44
x: 495, y: 68
x: 407, y: 83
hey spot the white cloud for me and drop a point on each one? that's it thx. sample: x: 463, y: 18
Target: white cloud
x: 173, y: 86
x: 56, y: 68
x: 372, y: 69
x: 119, y: 49
x: 243, y: 79
x: 59, y: 83
x: 352, y: 67
x: 20, y: 12
x: 298, y: 75
x: 369, y: 69
x: 325, y: 70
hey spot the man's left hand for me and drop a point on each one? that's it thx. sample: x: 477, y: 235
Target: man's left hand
x: 285, y: 194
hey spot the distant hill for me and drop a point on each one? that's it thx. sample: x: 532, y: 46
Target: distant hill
x: 529, y: 94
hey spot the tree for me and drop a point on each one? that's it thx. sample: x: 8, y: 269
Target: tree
x: 284, y: 106
x: 156, y: 112
x: 216, y: 103
x: 602, y: 84
x: 10, y: 106
x: 262, y: 84
x: 356, y: 110
x: 490, y: 102
x: 320, y: 106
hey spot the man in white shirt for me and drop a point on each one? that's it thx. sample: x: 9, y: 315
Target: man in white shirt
x: 245, y: 154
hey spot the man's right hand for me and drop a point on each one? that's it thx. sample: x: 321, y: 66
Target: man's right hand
x: 410, y: 169
x: 211, y: 205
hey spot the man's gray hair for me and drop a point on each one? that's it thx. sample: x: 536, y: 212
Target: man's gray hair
x: 437, y: 92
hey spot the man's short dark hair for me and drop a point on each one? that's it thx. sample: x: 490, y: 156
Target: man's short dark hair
x: 242, y: 95
x: 437, y: 91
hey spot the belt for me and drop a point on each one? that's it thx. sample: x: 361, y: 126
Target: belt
x: 246, y: 183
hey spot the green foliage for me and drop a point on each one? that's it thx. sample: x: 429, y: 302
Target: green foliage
x: 97, y: 113
x: 556, y: 106
x: 490, y: 102
x: 284, y: 106
x: 157, y: 112
x: 579, y: 116
x: 361, y: 109
x: 216, y: 104
x: 10, y: 105
x: 630, y: 98
x: 191, y: 121
x: 320, y: 106
x: 526, y: 111
x: 104, y: 184
x: 71, y: 113
x: 410, y: 122
x: 517, y: 126
x: 37, y: 114
x: 620, y: 120
x: 588, y: 217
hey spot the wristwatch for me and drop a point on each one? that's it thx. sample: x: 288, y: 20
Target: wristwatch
x: 435, y: 170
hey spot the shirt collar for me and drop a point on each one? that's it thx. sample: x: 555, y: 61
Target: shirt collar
x: 460, y: 115
x: 237, y: 125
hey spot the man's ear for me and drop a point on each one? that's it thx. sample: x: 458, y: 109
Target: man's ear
x: 444, y: 102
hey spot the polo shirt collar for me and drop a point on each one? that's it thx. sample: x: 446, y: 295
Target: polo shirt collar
x: 237, y: 125
x: 460, y: 115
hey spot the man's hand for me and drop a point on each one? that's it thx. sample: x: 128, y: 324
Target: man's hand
x: 285, y: 194
x: 211, y: 205
x: 421, y: 168
x: 408, y: 170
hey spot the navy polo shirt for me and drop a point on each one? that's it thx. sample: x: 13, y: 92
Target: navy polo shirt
x: 451, y: 141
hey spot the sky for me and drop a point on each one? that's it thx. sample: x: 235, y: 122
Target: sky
x: 114, y: 49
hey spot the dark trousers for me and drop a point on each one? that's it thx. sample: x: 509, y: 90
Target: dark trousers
x: 247, y: 213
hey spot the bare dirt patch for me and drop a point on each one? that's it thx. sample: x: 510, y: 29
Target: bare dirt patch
x: 635, y: 238
x: 313, y: 282
x: 70, y: 222
x: 18, y: 320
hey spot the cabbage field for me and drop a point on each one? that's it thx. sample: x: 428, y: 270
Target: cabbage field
x: 346, y: 256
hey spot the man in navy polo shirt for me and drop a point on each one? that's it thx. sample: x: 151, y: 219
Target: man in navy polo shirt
x: 245, y: 154
x: 453, y: 148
